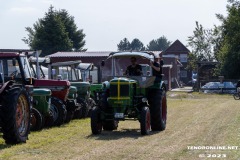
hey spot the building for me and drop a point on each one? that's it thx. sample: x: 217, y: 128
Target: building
x: 180, y: 52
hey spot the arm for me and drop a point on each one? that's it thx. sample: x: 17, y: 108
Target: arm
x: 154, y: 67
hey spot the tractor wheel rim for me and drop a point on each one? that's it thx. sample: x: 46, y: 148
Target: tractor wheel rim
x: 148, y: 121
x: 22, y: 115
x: 164, y: 108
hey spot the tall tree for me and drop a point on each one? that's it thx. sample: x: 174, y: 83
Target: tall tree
x: 159, y: 44
x: 124, y: 45
x: 56, y: 31
x: 229, y: 54
x: 205, y: 44
x: 200, y: 43
x: 137, y: 45
x: 76, y: 35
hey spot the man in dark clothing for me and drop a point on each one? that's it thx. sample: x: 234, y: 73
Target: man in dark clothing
x: 134, y: 69
x: 157, y: 69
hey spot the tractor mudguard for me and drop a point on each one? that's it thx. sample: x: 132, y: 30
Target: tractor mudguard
x: 41, y: 99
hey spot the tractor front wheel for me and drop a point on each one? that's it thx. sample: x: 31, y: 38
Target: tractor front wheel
x: 58, y: 110
x: 96, y: 123
x: 36, y: 120
x: 145, y: 122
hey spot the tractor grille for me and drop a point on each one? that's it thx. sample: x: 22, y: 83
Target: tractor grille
x: 113, y: 90
x: 124, y: 90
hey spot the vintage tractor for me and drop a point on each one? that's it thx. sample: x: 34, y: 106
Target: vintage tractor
x: 70, y: 71
x: 16, y: 97
x: 71, y: 100
x: 141, y: 98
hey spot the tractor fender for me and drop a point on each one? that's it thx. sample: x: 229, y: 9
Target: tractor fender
x: 5, y: 85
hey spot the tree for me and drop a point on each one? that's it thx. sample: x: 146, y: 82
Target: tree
x: 229, y: 53
x: 137, y: 45
x: 76, y: 36
x: 124, y: 45
x: 56, y: 31
x: 159, y: 44
x: 201, y: 44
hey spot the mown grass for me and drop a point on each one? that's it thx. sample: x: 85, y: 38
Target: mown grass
x: 193, y: 120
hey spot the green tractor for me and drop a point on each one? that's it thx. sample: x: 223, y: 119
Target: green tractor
x: 60, y: 105
x: 70, y: 71
x: 15, y: 97
x: 141, y: 98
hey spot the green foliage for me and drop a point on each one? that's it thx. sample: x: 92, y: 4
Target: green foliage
x: 137, y: 45
x: 229, y: 54
x: 192, y: 62
x: 159, y: 44
x: 201, y: 44
x: 56, y: 31
x: 124, y: 45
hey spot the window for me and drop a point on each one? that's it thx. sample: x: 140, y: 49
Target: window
x: 183, y: 57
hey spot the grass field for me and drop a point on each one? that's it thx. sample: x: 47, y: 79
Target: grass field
x: 193, y: 120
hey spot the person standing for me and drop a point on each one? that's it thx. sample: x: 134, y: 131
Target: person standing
x: 157, y: 68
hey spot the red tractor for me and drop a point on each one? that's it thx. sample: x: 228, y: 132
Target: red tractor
x: 15, y: 97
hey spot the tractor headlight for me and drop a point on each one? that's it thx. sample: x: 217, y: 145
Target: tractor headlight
x: 144, y: 100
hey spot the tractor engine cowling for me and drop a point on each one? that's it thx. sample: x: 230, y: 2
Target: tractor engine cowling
x: 122, y: 91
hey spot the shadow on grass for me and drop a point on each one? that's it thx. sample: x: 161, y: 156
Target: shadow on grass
x: 119, y: 134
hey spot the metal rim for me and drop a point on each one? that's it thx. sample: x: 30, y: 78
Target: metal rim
x: 148, y: 120
x: 22, y: 115
x: 164, y: 108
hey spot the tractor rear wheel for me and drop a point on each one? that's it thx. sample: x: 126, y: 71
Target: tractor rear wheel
x: 36, y: 120
x: 110, y: 125
x: 145, y: 122
x: 158, y: 109
x: 15, y: 115
x: 58, y: 110
x: 96, y: 123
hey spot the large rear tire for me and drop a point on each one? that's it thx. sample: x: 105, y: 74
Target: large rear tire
x: 96, y: 123
x: 37, y: 121
x: 58, y: 110
x: 145, y: 122
x: 158, y: 109
x: 15, y: 115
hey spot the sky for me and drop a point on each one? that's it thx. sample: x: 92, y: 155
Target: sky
x: 106, y: 22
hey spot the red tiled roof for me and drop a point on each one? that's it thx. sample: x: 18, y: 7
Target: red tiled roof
x: 176, y: 48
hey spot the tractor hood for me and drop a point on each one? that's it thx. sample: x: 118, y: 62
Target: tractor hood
x: 57, y: 83
x: 122, y: 79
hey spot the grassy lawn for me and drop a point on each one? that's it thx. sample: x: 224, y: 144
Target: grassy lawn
x: 193, y: 120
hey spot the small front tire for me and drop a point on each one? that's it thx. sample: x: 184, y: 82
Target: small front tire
x: 96, y: 123
x: 145, y: 122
